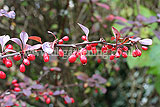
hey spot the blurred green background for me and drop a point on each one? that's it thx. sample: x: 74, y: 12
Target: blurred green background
x: 131, y: 82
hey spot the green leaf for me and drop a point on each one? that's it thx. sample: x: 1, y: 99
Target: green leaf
x: 157, y: 85
x: 141, y: 61
x: 155, y: 55
x: 144, y: 11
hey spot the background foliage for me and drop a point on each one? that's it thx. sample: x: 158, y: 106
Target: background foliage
x: 130, y: 82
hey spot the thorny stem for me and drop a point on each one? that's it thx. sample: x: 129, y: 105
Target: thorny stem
x: 101, y: 41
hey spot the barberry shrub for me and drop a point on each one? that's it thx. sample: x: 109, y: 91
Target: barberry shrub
x: 118, y: 46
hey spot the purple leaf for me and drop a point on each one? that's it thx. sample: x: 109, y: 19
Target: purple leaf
x: 34, y: 47
x: 10, y: 14
x: 146, y: 41
x: 135, y: 39
x: 3, y: 40
x: 121, y: 19
x: 62, y: 92
x: 57, y: 92
x: 157, y: 34
x: 9, y: 103
x: 120, y: 23
x: 125, y: 29
x: 37, y: 86
x: 85, y: 29
x: 95, y: 27
x: 82, y: 77
x: 104, y: 90
x: 17, y: 41
x: 22, y: 85
x: 103, y: 5
x: 158, y: 15
x: 152, y: 19
x: 24, y: 38
x: 67, y: 99
x: 141, y: 18
x: 23, y: 104
x: 9, y: 50
x: 100, y: 79
x: 2, y: 11
x: 27, y: 92
x: 46, y: 47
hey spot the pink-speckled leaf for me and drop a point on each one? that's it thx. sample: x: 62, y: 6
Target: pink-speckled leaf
x: 17, y: 41
x: 24, y: 38
x: 103, y: 5
x: 116, y: 33
x: 3, y: 40
x: 85, y: 29
x: 146, y: 41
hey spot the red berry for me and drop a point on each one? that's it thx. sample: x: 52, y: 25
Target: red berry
x: 2, y: 75
x: 14, y: 81
x: 111, y: 57
x: 125, y: 48
x: 66, y: 38
x: 16, y: 104
x: 45, y: 96
x: 17, y: 89
x: 117, y: 55
x: 138, y: 52
x: 88, y: 47
x: 50, y: 93
x: 31, y: 57
x: 9, y: 46
x: 72, y: 100
x: 61, y: 53
x: 75, y: 53
x: 17, y: 57
x: 104, y: 49
x: 8, y: 63
x: 113, y: 49
x: 109, y: 46
x: 37, y: 98
x: 51, y: 69
x: 124, y: 54
x: 72, y: 58
x: 94, y: 50
x: 144, y: 48
x: 99, y: 60
x: 26, y: 62
x: 16, y: 85
x: 65, y: 102
x: 45, y: 57
x: 4, y: 60
x: 60, y: 41
x: 22, y: 68
x: 83, y: 51
x: 48, y: 101
x: 83, y: 59
x: 134, y: 53
x: 84, y: 38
